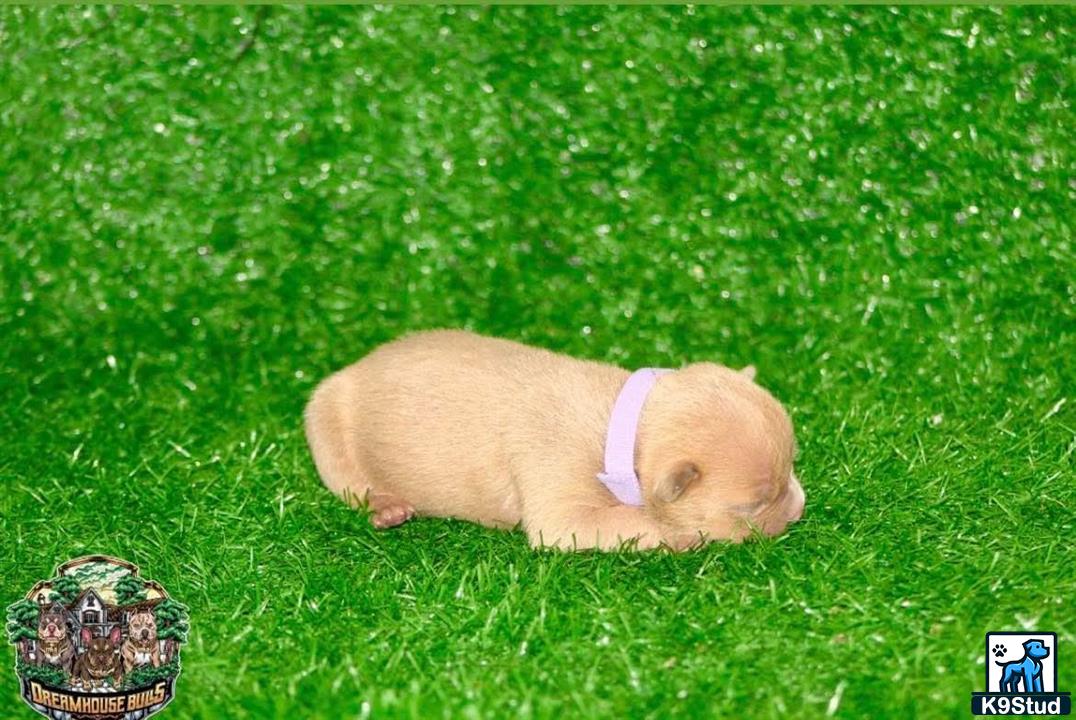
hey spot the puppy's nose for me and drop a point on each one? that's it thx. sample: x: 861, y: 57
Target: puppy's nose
x: 798, y: 501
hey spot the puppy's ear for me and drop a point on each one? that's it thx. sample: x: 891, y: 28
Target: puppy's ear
x: 676, y: 480
x: 86, y: 635
x: 115, y: 636
x: 749, y: 372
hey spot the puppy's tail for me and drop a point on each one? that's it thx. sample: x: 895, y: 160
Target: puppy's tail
x: 332, y: 441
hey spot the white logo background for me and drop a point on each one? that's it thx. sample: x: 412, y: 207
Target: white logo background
x: 1013, y: 646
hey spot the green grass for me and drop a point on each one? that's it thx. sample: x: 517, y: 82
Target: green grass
x: 199, y: 220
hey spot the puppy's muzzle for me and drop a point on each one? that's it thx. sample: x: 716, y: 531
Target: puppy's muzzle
x: 798, y: 500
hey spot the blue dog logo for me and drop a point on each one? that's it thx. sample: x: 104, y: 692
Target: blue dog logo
x: 1027, y: 670
x: 1027, y: 686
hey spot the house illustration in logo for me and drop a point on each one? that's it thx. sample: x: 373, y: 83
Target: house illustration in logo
x: 90, y: 611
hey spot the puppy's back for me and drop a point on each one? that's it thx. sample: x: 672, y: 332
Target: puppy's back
x: 439, y: 418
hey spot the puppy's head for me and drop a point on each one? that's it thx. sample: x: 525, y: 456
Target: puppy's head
x: 715, y: 457
x: 142, y: 627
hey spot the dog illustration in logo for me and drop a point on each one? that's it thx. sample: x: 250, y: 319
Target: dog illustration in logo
x: 99, y: 662
x: 1027, y: 669
x: 141, y: 646
x: 54, y: 647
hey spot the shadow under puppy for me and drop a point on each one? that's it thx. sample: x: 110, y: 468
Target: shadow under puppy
x: 452, y: 424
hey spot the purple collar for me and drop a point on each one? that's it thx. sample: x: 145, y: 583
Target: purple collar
x: 619, y: 475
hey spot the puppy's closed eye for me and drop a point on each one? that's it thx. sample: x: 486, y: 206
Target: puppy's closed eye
x: 673, y: 484
x: 748, y: 508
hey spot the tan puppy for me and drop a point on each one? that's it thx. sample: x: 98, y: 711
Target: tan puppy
x: 451, y: 424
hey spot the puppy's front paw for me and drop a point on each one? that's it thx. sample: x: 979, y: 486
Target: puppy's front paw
x: 389, y: 511
x: 683, y: 542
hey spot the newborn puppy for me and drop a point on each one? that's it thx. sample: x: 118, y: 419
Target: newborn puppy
x: 451, y: 424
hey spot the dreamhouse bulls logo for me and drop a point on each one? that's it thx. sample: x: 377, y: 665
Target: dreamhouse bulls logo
x: 97, y: 641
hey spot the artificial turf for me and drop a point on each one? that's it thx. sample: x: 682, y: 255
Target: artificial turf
x: 205, y: 210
